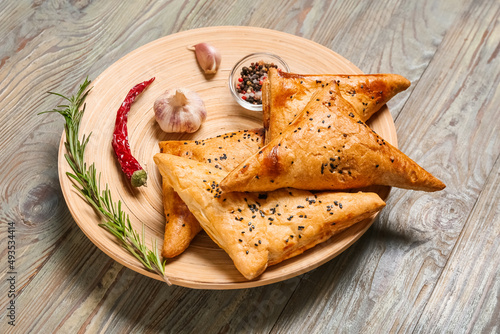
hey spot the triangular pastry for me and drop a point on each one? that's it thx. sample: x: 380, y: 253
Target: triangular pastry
x: 261, y: 229
x: 284, y: 95
x: 328, y: 147
x: 223, y: 152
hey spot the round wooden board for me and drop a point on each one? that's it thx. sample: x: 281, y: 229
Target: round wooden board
x: 203, y: 265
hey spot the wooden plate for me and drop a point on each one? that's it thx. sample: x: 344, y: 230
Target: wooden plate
x: 203, y: 265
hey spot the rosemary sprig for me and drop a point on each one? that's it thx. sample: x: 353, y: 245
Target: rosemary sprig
x: 87, y: 181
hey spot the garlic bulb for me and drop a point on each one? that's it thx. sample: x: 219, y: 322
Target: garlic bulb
x: 208, y: 57
x: 179, y: 110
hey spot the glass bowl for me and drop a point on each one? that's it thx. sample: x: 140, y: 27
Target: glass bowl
x: 236, y: 74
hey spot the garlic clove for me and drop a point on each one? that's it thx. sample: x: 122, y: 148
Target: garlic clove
x: 208, y: 57
x: 179, y: 110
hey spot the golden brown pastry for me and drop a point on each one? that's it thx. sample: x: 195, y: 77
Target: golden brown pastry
x: 258, y: 230
x: 223, y: 152
x: 180, y: 225
x: 328, y: 146
x: 284, y: 95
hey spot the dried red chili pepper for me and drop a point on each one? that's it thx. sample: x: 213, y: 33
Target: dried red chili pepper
x: 130, y: 166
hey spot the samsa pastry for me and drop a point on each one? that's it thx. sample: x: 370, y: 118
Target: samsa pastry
x: 328, y: 147
x: 260, y: 229
x: 284, y: 95
x: 222, y: 152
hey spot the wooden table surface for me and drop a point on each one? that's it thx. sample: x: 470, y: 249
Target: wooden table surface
x: 429, y: 264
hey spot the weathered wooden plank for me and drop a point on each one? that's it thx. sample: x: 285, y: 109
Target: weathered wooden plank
x: 384, y: 283
x: 69, y: 274
x: 467, y: 295
x: 180, y: 310
x: 68, y: 284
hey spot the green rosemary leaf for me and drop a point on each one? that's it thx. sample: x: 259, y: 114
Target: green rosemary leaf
x: 60, y: 95
x: 88, y: 184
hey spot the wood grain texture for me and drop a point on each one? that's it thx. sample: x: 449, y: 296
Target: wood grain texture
x: 470, y: 282
x: 425, y: 266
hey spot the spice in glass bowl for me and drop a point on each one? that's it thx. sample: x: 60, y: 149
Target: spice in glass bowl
x: 248, y: 76
x: 249, y: 86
